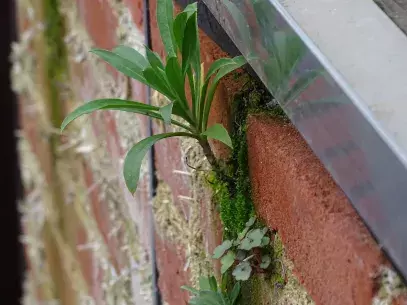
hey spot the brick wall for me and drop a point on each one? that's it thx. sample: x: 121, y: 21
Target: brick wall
x: 334, y: 256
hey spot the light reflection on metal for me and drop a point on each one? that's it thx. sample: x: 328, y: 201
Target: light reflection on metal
x: 365, y: 163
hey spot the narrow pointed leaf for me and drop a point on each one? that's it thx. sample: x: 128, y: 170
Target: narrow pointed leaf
x: 213, y: 283
x: 181, y: 21
x: 155, y: 80
x: 222, y: 62
x: 136, y: 154
x: 125, y: 66
x: 189, y: 44
x: 179, y: 27
x: 165, y: 15
x: 154, y: 59
x: 191, y: 8
x: 181, y: 112
x: 104, y: 104
x: 176, y: 79
x: 190, y: 289
x: 166, y: 112
x: 132, y: 55
x: 234, y: 294
x: 218, y: 132
x: 237, y: 63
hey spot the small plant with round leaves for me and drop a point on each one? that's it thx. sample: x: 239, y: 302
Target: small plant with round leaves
x: 182, y: 67
x: 210, y: 292
x: 246, y: 253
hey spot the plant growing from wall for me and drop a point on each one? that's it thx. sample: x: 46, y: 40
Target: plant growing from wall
x: 211, y: 293
x: 182, y: 64
x: 246, y: 253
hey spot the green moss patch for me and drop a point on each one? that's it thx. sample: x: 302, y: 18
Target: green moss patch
x: 232, y: 187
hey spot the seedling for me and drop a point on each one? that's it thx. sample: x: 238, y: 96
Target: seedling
x: 244, y: 253
x: 210, y: 293
x: 169, y: 76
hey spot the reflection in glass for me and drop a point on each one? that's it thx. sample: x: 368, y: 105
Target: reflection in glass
x: 325, y: 112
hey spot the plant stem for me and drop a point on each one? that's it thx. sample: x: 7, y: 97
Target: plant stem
x: 208, y: 153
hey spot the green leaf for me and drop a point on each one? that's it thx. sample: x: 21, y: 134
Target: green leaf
x: 189, y: 43
x: 155, y: 80
x: 226, y: 69
x: 154, y: 59
x: 265, y: 230
x: 242, y: 271
x: 166, y: 112
x: 221, y: 249
x: 227, y: 261
x: 132, y: 55
x: 218, y: 132
x: 165, y: 20
x: 125, y: 66
x: 251, y: 221
x: 223, y: 62
x: 209, y: 298
x: 265, y: 241
x: 136, y: 154
x: 213, y: 283
x: 181, y: 21
x: 104, y: 104
x: 253, y: 239
x: 238, y: 62
x: 204, y: 283
x: 176, y: 80
x: 179, y: 28
x: 190, y: 289
x: 234, y: 294
x: 265, y: 261
x: 242, y: 234
x: 191, y: 8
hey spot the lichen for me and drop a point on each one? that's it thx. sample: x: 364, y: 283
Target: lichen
x: 390, y: 286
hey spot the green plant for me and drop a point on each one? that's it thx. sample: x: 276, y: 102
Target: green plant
x: 245, y: 252
x: 182, y: 64
x: 210, y: 293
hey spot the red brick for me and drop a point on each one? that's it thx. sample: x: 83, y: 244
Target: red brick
x: 334, y: 256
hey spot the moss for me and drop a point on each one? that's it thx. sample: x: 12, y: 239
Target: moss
x: 232, y: 187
